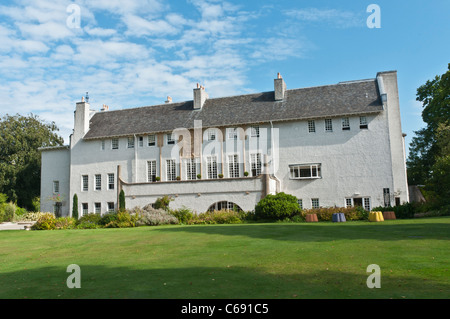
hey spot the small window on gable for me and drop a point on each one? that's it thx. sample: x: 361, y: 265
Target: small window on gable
x: 170, y: 138
x: 151, y: 139
x: 131, y: 142
x: 311, y: 126
x: 56, y: 187
x: 115, y: 143
x: 103, y: 145
x: 232, y: 133
x: 255, y: 131
x: 328, y: 125
x: 212, y: 134
x: 345, y: 124
x: 141, y: 141
x: 363, y: 122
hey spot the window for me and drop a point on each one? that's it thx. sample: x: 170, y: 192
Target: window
x: 151, y: 171
x: 85, y: 183
x: 363, y: 122
x: 367, y: 203
x: 255, y: 131
x: 85, y: 208
x: 191, y: 169
x: 315, y: 202
x: 56, y: 187
x: 98, y: 208
x: 170, y: 139
x: 328, y: 125
x: 232, y: 133
x: 211, y: 163
x: 171, y: 170
x: 151, y: 140
x: 212, y: 134
x: 103, y: 145
x: 348, y: 202
x: 131, y: 142
x: 345, y: 124
x: 141, y: 141
x: 110, y: 207
x: 311, y: 126
x: 386, y: 197
x: 233, y: 165
x: 305, y: 171
x: 224, y: 205
x: 98, y: 182
x: 300, y: 203
x: 255, y: 161
x: 110, y: 181
x: 115, y: 143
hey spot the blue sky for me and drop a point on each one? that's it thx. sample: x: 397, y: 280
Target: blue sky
x: 136, y: 53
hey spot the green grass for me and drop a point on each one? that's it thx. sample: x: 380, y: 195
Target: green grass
x: 279, y: 260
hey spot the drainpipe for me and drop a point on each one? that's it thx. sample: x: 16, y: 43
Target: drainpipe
x: 272, y: 151
x: 135, y: 158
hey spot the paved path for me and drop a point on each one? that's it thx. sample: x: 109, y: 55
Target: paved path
x: 14, y: 226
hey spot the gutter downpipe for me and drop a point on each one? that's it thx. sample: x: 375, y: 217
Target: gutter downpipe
x: 277, y: 189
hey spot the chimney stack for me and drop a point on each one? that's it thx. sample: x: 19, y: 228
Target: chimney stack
x: 200, y: 97
x: 169, y: 99
x: 279, y: 88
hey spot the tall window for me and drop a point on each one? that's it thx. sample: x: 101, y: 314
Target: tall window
x: 111, y: 181
x: 211, y: 163
x: 170, y: 138
x: 151, y: 171
x: 315, y: 202
x: 305, y: 171
x: 348, y: 202
x: 363, y: 122
x: 111, y: 207
x: 345, y: 124
x: 255, y: 160
x: 141, y: 141
x: 56, y: 187
x: 233, y: 165
x: 131, y: 142
x: 255, y: 131
x: 328, y: 125
x: 191, y: 169
x: 98, y: 208
x: 115, y: 143
x: 103, y: 145
x: 367, y: 203
x: 98, y: 182
x: 171, y: 170
x: 311, y: 126
x: 85, y: 208
x: 386, y: 197
x: 85, y: 183
x: 151, y: 139
x: 300, y: 203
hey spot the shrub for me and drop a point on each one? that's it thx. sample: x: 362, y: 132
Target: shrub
x: 163, y: 202
x: 122, y: 201
x: 89, y: 221
x: 46, y: 221
x: 184, y: 215
x: 65, y: 223
x: 30, y: 216
x: 7, y: 214
x: 75, y: 207
x: 107, y: 218
x: 150, y: 216
x: 217, y: 217
x: 277, y: 207
x: 404, y: 211
x: 326, y: 213
x: 122, y: 220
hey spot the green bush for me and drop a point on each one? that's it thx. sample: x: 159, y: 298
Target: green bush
x: 163, y: 202
x: 277, y: 207
x: 122, y: 201
x: 7, y: 214
x: 46, y: 221
x: 108, y: 218
x: 184, y: 215
x: 65, y: 223
x: 217, y: 217
x: 123, y: 220
x: 404, y: 211
x: 150, y: 216
x: 89, y: 221
x: 326, y: 213
x: 75, y: 206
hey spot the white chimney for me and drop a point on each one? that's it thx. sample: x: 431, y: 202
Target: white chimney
x: 81, y: 121
x: 279, y: 88
x: 169, y: 99
x: 200, y: 97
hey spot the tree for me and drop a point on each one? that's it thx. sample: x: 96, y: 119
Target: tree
x: 122, y: 201
x: 277, y: 207
x: 423, y: 152
x: 20, y: 160
x: 75, y: 206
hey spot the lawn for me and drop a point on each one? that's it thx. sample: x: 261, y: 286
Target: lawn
x: 279, y: 260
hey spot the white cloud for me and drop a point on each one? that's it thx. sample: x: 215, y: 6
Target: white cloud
x: 335, y: 17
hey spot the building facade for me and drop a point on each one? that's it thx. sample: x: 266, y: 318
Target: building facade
x: 334, y: 145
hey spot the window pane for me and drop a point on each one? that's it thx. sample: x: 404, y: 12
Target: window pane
x: 151, y: 171
x: 256, y: 164
x: 345, y: 124
x: 191, y: 169
x: 315, y: 202
x: 115, y: 143
x: 85, y: 183
x: 151, y: 140
x: 328, y: 125
x: 363, y: 122
x: 98, y: 182
x: 171, y: 170
x: 131, y: 142
x: 311, y: 126
x: 212, y: 166
x: 255, y: 131
x: 110, y: 181
x: 233, y: 165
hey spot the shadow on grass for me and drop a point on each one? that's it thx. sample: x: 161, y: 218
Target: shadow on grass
x: 102, y: 282
x: 324, y: 231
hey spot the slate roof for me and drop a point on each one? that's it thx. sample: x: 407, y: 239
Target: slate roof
x: 345, y: 98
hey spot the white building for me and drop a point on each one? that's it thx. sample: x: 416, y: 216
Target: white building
x: 334, y: 145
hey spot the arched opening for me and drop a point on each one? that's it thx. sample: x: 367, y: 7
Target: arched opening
x: 224, y: 205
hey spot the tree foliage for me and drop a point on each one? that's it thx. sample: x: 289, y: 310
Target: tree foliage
x: 277, y: 207
x: 424, y: 150
x: 20, y: 159
x: 429, y: 158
